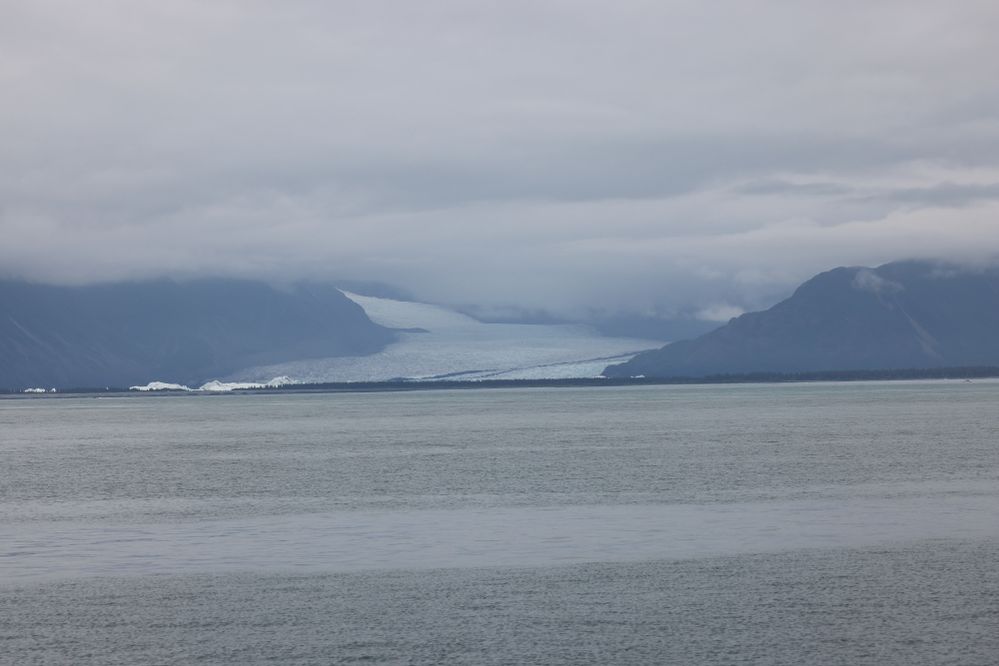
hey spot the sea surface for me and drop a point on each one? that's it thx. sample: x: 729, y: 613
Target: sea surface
x: 819, y: 523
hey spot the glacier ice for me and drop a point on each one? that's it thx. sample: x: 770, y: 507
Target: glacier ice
x: 160, y: 386
x: 436, y: 343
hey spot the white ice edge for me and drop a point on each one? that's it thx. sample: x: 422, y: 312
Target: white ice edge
x: 215, y: 386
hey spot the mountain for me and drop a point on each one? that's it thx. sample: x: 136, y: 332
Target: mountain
x: 186, y: 332
x: 654, y: 328
x: 911, y: 314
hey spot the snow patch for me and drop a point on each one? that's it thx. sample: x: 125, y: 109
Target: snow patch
x: 868, y: 280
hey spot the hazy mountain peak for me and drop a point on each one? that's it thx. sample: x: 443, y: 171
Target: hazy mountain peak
x: 186, y: 332
x: 907, y: 314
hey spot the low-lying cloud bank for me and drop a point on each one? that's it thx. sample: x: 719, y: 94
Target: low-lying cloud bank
x: 643, y: 157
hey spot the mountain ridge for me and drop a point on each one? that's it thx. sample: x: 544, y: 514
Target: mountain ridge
x: 907, y: 314
x: 126, y: 333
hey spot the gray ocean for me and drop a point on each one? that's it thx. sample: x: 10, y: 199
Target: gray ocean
x: 852, y: 523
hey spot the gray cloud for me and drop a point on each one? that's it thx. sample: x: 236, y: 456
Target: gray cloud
x: 646, y: 156
x: 777, y: 186
x: 947, y: 194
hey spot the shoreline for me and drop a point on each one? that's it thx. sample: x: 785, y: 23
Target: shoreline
x: 960, y: 373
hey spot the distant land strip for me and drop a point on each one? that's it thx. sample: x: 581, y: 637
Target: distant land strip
x: 976, y: 372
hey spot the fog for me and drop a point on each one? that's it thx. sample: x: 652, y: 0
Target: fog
x: 649, y: 157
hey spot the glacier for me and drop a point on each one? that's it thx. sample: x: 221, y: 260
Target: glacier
x: 437, y: 343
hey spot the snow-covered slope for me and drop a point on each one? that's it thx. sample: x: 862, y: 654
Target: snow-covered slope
x: 444, y: 344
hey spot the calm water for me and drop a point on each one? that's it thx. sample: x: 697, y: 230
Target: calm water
x: 819, y: 523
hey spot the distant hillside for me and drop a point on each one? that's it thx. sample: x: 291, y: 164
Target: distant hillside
x: 127, y: 333
x: 901, y: 315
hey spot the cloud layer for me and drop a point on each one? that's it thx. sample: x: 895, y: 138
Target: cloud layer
x: 647, y: 156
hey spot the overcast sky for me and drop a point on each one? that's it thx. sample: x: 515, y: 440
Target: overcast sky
x: 647, y: 155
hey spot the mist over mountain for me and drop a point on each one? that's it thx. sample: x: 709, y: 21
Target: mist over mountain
x: 610, y: 324
x: 911, y: 314
x: 125, y: 333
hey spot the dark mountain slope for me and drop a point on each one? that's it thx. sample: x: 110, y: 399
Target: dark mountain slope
x: 900, y: 315
x: 121, y: 334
